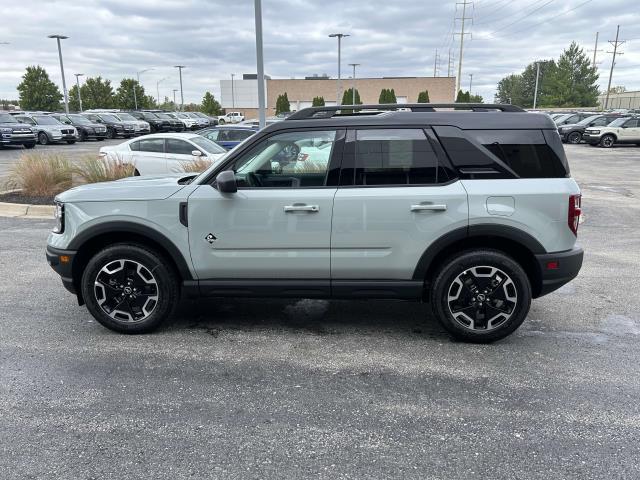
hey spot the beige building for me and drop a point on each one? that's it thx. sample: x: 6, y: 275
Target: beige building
x: 242, y: 95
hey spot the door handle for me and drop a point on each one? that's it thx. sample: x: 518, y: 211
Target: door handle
x: 301, y: 208
x: 428, y: 206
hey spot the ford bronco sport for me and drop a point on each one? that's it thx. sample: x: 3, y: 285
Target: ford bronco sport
x: 470, y: 208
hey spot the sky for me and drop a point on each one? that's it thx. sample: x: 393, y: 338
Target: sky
x: 215, y: 38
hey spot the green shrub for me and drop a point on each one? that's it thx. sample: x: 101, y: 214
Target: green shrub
x: 40, y: 175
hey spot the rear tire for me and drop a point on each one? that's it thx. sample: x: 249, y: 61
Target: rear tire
x: 481, y: 296
x: 129, y: 288
x: 607, y: 141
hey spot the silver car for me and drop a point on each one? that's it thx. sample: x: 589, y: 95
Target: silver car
x: 48, y: 129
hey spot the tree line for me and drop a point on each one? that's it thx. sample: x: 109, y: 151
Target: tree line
x: 38, y: 92
x: 568, y: 82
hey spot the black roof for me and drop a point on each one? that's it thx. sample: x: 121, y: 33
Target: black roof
x: 468, y: 117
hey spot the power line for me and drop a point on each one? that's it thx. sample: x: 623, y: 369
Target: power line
x: 520, y: 19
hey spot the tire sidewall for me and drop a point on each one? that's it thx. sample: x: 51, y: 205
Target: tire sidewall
x: 43, y: 138
x: 602, y: 141
x: 574, y: 136
x: 165, y: 277
x: 453, y: 267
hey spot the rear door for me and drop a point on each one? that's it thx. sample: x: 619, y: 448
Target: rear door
x: 150, y: 158
x: 630, y: 131
x: 395, y: 198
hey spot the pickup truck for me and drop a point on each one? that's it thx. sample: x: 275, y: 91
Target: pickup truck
x: 231, y: 117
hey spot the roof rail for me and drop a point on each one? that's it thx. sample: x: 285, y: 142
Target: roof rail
x: 330, y: 111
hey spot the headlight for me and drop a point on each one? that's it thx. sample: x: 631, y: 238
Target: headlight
x: 594, y: 131
x: 58, y: 215
x: 6, y: 130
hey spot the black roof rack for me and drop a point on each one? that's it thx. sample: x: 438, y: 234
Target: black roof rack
x: 330, y: 111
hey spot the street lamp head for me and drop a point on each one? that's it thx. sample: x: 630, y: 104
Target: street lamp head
x: 79, y: 74
x: 339, y: 35
x: 179, y: 66
x: 61, y: 37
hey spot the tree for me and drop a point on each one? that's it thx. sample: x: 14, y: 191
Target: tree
x: 125, y: 99
x: 476, y: 98
x: 195, y: 107
x: 37, y: 91
x: 74, y: 104
x: 423, y: 97
x: 347, y: 97
x: 572, y: 82
x: 282, y: 104
x: 511, y: 90
x: 618, y: 89
x: 318, y: 102
x: 463, y: 97
x: 210, y: 105
x: 387, y: 96
x: 97, y: 93
x: 167, y: 105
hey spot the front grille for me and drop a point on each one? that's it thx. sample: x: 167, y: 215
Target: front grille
x: 67, y: 131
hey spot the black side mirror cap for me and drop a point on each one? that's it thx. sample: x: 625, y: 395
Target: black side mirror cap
x: 226, y: 182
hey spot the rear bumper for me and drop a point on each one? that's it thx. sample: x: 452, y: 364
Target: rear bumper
x: 557, y: 269
x: 62, y: 266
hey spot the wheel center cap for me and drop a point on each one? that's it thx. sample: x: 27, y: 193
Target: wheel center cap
x: 128, y: 290
x: 481, y: 297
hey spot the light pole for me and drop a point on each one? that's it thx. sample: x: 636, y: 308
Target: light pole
x: 180, y: 67
x: 174, y: 96
x: 78, y: 87
x: 262, y: 116
x: 353, y: 83
x: 64, y: 83
x: 470, y: 83
x: 535, y: 92
x: 233, y: 94
x: 339, y: 36
x: 135, y: 97
x: 158, y: 89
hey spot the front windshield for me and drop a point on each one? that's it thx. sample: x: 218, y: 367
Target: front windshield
x: 183, y: 115
x: 562, y: 117
x: 207, y: 145
x: 191, y: 115
x: 127, y: 117
x: 80, y: 120
x: 150, y: 115
x: 198, y: 114
x: 588, y: 120
x: 6, y: 118
x: 109, y: 118
x: 46, y: 120
x: 618, y: 122
x: 163, y: 115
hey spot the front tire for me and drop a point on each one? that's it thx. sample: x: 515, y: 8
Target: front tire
x: 574, y: 138
x: 30, y: 145
x: 43, y: 139
x: 71, y: 142
x: 481, y: 296
x: 607, y: 141
x: 129, y: 288
x: 221, y: 122
x: 111, y: 133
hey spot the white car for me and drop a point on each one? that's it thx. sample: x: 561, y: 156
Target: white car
x: 142, y: 127
x: 161, y: 153
x: 189, y: 123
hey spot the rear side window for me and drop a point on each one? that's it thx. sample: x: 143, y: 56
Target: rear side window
x: 524, y: 151
x: 152, y: 145
x: 631, y: 123
x: 394, y: 157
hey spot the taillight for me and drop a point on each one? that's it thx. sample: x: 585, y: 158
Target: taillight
x: 575, y: 202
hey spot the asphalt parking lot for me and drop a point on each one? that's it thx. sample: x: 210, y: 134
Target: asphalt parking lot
x: 331, y: 389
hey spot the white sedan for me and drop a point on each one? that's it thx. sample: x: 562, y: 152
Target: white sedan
x: 162, y: 153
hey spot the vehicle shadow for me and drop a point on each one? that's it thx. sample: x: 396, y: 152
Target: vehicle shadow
x: 309, y: 316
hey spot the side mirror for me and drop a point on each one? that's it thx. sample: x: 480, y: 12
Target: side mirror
x: 196, y: 153
x: 226, y: 182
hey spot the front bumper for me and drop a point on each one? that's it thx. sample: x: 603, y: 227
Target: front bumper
x: 591, y: 138
x: 62, y: 263
x: 16, y: 138
x: 557, y: 269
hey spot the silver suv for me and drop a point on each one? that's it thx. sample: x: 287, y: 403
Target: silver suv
x: 472, y: 211
x: 49, y: 129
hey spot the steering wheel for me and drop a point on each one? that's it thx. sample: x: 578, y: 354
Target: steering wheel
x: 288, y: 154
x: 253, y: 180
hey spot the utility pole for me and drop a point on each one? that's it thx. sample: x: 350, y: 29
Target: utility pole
x: 615, y: 52
x: 436, y: 64
x: 78, y: 87
x: 64, y: 82
x: 595, y: 51
x: 339, y: 36
x: 180, y: 67
x: 535, y: 92
x: 262, y: 114
x: 470, y: 83
x: 353, y: 83
x: 464, y: 18
x: 449, y: 65
x: 233, y: 94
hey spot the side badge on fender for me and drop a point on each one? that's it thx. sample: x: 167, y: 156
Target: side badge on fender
x: 210, y: 238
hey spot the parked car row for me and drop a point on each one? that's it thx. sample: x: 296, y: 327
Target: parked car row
x: 598, y: 129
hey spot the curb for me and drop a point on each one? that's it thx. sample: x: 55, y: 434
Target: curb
x: 15, y: 210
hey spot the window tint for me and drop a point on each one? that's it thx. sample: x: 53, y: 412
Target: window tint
x: 179, y: 147
x: 238, y: 135
x: 152, y: 145
x: 600, y: 122
x: 287, y: 160
x: 524, y: 151
x: 394, y: 157
x: 211, y: 135
x: 631, y: 123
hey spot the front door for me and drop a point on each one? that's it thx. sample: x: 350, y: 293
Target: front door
x: 395, y: 198
x: 278, y: 224
x: 179, y: 154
